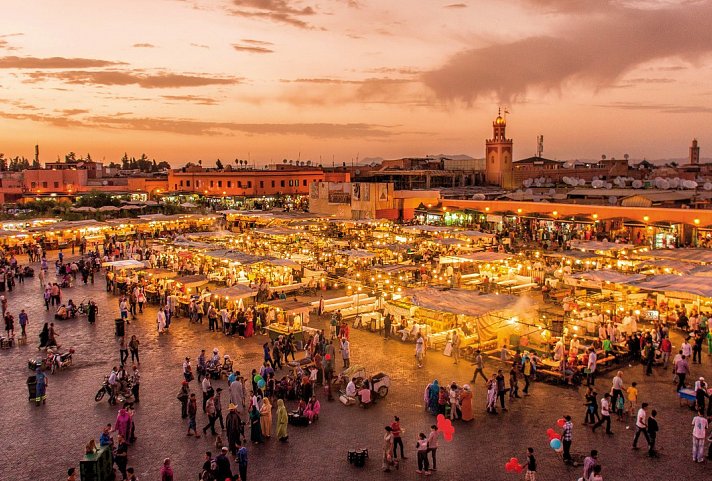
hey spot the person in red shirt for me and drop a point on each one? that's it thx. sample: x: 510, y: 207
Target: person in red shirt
x: 665, y: 349
x: 396, y: 430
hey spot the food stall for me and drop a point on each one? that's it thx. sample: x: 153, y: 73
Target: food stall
x: 288, y: 317
x: 233, y: 297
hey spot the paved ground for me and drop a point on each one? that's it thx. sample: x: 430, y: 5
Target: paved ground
x: 40, y: 443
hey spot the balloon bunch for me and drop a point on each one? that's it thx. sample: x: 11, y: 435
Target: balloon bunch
x: 554, y: 437
x: 513, y: 466
x: 259, y: 380
x: 445, y: 426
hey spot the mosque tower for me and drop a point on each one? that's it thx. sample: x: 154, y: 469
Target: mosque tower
x: 694, y: 153
x: 498, y: 155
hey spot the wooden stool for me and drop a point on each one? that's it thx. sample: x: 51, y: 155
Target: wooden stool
x: 22, y: 341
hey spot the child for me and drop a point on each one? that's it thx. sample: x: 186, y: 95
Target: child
x: 620, y: 407
x: 632, y: 392
x: 423, y: 463
x: 531, y: 466
x: 218, y: 442
x: 513, y: 384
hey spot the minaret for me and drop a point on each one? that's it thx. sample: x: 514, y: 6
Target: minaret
x: 498, y: 155
x: 694, y: 153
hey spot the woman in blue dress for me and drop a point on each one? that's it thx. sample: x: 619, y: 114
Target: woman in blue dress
x: 433, y: 393
x: 41, y: 388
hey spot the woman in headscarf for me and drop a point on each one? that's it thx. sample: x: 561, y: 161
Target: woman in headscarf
x: 282, y: 420
x: 433, y: 395
x: 492, y: 394
x: 44, y: 336
x: 266, y: 418
x: 312, y: 409
x: 255, y: 427
x: 41, y: 387
x: 466, y: 403
x: 123, y: 423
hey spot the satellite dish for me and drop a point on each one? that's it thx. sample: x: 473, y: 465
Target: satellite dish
x: 613, y: 200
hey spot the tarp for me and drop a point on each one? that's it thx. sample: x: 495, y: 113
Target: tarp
x: 700, y: 256
x: 285, y: 263
x: 125, y: 264
x: 674, y: 283
x: 449, y: 241
x: 238, y: 291
x: 465, y: 302
x: 476, y: 257
x: 160, y: 273
x: 236, y: 256
x: 357, y: 253
x: 192, y: 281
x: 276, y: 231
x: 474, y: 234
x: 585, y: 245
x: 614, y: 277
x: 426, y: 228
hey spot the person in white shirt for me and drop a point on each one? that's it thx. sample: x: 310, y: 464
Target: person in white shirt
x: 617, y: 388
x: 419, y: 350
x: 351, y: 389
x: 591, y: 367
x: 699, y: 429
x: 605, y: 414
x: 161, y: 321
x: 641, y: 425
x: 686, y: 349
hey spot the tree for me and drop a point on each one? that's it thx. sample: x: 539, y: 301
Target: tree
x: 125, y: 162
x: 70, y: 157
x: 36, y: 164
x: 163, y: 165
x: 97, y: 199
x: 218, y: 164
x: 3, y: 163
x: 284, y: 161
x: 200, y: 162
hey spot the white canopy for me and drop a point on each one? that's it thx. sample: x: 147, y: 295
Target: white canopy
x: 613, y: 277
x: 474, y: 234
x: 238, y: 291
x: 585, y: 245
x: 357, y: 253
x: 465, y: 302
x: 426, y: 228
x: 673, y: 283
x: 125, y: 264
x: 702, y: 256
x: 475, y: 257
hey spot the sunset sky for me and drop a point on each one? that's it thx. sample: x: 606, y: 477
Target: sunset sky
x: 269, y: 79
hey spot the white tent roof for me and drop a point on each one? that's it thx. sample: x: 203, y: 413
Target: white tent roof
x: 475, y: 257
x: 466, y: 302
x: 125, y: 264
x: 357, y: 253
x: 673, y: 283
x: 701, y: 256
x: 427, y: 228
x: 614, y: 277
x: 598, y: 245
x: 238, y: 291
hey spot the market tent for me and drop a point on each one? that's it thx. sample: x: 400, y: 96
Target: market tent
x: 236, y: 256
x: 192, y: 281
x: 574, y: 254
x: 701, y: 256
x: 357, y: 253
x: 284, y: 263
x: 679, y: 284
x: 585, y: 245
x: 394, y: 268
x: 614, y: 277
x: 289, y: 305
x: 108, y: 208
x: 474, y: 234
x: 238, y: 291
x: 426, y: 228
x: 125, y: 264
x: 276, y: 231
x: 160, y: 273
x: 448, y: 241
x: 678, y: 266
x: 476, y: 257
x: 462, y: 301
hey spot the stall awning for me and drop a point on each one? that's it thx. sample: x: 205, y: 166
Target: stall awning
x: 192, y: 281
x: 160, y: 273
x: 474, y: 234
x: 673, y: 283
x: 238, y: 291
x: 614, y: 277
x: 465, y: 302
x: 448, y: 241
x: 357, y: 254
x: 237, y: 256
x: 599, y: 245
x: 289, y: 305
x: 285, y: 263
x: 426, y: 228
x: 125, y: 264
x: 701, y: 256
x: 476, y: 257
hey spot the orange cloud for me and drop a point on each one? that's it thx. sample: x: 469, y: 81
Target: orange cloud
x: 53, y: 62
x: 149, y: 81
x: 191, y: 98
x: 144, y: 45
x: 251, y: 48
x: 275, y: 10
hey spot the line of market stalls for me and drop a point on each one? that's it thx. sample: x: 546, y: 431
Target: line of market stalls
x: 64, y: 234
x: 483, y: 321
x: 491, y: 271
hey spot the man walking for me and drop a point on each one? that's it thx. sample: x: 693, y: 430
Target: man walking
x: 605, y: 414
x: 479, y: 367
x: 346, y: 352
x: 591, y: 367
x: 699, y: 429
x: 396, y: 430
x: 682, y: 369
x: 617, y: 387
x: 456, y: 347
x: 242, y: 460
x: 653, y: 429
x: 433, y: 445
x: 641, y: 425
x: 567, y: 438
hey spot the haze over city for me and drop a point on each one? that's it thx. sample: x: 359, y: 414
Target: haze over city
x: 274, y: 79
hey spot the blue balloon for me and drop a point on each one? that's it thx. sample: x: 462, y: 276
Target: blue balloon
x: 555, y: 444
x: 261, y: 384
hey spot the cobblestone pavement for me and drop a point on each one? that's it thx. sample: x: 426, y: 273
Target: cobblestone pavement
x: 39, y: 443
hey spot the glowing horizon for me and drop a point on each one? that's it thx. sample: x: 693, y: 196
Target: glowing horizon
x: 182, y: 80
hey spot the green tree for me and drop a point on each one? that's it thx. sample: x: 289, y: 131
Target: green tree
x: 125, y: 162
x: 70, y: 157
x: 3, y: 163
x: 218, y: 164
x: 97, y: 199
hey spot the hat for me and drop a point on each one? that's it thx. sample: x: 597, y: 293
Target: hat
x: 224, y: 449
x: 466, y: 387
x: 215, y: 350
x: 231, y: 407
x: 701, y: 378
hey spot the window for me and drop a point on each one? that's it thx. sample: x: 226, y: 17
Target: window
x: 187, y: 183
x: 281, y: 183
x: 56, y: 185
x: 249, y: 184
x: 239, y: 184
x: 219, y: 183
x: 34, y: 184
x: 262, y: 183
x: 212, y: 184
x: 197, y: 183
x: 181, y: 183
x: 304, y: 182
x: 44, y: 184
x: 229, y: 183
x: 273, y: 183
x: 290, y: 182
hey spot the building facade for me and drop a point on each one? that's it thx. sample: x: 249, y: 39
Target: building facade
x: 498, y: 155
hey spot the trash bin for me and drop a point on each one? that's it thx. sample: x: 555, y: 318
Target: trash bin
x: 119, y: 327
x: 32, y: 387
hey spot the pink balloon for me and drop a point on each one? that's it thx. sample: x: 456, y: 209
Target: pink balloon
x: 561, y: 422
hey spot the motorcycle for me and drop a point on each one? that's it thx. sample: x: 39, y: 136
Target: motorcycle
x: 124, y: 393
x: 61, y: 361
x: 42, y: 363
